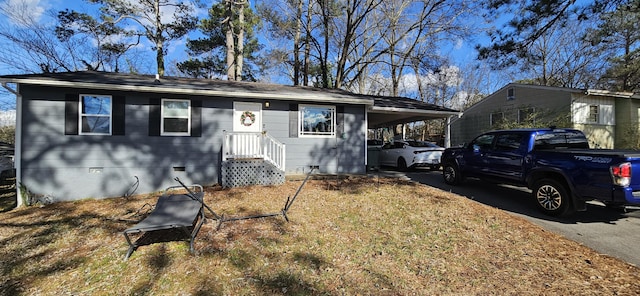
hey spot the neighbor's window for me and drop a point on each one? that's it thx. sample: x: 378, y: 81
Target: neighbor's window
x: 496, y: 118
x: 593, y: 114
x: 511, y: 94
x: 176, y: 117
x: 526, y: 115
x: 317, y: 121
x: 95, y: 114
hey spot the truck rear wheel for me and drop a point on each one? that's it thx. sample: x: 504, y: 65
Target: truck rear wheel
x: 552, y: 197
x: 451, y: 174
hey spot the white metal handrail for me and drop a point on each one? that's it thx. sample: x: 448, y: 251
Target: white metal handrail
x: 243, y: 145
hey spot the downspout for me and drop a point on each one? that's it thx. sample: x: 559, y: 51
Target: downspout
x: 366, y: 137
x: 17, y: 157
x: 447, y: 130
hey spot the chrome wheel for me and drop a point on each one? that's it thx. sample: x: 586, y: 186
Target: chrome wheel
x: 552, y: 197
x: 549, y: 198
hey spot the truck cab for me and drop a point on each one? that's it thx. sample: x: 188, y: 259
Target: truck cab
x: 556, y: 164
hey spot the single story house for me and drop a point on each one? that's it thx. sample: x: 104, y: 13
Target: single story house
x: 609, y: 119
x: 97, y: 134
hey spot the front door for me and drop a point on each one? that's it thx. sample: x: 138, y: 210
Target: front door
x: 247, y: 117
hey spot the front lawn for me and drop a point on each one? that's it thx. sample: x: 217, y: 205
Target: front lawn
x: 357, y: 237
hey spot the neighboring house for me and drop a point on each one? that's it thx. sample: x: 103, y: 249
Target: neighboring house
x: 97, y: 134
x: 609, y: 119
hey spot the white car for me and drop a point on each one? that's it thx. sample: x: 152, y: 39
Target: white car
x: 409, y: 154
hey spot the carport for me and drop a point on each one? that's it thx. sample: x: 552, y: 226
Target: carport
x: 390, y: 111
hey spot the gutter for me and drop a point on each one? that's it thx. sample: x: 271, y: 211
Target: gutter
x: 205, y: 92
x: 5, y: 84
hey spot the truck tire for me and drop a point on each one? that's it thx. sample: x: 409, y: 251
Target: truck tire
x: 451, y: 174
x: 552, y: 198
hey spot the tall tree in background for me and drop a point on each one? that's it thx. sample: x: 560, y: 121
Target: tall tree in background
x: 211, y: 55
x: 618, y: 34
x: 160, y: 21
x: 413, y: 31
x: 532, y: 20
x: 561, y: 57
x: 290, y: 20
x: 111, y: 42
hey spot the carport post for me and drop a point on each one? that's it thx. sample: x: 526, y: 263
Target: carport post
x: 447, y: 133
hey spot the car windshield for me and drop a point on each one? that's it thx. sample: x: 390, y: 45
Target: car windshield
x: 422, y: 144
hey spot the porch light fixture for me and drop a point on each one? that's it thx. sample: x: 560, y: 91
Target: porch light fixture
x: 267, y: 104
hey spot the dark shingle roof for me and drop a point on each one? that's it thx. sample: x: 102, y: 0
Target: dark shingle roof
x: 382, y: 110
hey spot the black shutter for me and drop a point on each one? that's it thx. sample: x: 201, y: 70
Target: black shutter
x: 196, y: 118
x: 293, y: 120
x: 118, y: 116
x: 339, y: 121
x: 154, y: 116
x: 71, y: 114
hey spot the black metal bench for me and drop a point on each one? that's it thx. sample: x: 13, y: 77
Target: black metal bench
x: 172, y: 211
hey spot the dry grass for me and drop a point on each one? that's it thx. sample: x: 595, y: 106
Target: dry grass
x: 365, y: 237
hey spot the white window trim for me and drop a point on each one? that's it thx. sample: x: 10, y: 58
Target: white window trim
x: 81, y: 115
x: 301, y: 121
x: 162, y: 117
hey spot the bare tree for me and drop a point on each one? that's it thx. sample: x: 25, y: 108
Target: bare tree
x: 561, y: 57
x: 32, y: 47
x: 148, y: 15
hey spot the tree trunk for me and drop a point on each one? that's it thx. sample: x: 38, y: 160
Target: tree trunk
x: 307, y: 46
x: 296, y: 44
x: 229, y: 41
x: 239, y: 53
x: 325, y: 55
x: 159, y: 39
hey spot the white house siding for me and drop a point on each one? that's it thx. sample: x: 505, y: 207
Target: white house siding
x: 601, y: 134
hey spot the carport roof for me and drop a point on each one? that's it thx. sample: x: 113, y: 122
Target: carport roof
x: 382, y: 110
x: 387, y: 111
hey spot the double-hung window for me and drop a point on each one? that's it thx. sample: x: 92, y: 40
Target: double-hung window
x: 175, y: 117
x: 317, y: 121
x: 95, y: 114
x: 594, y: 114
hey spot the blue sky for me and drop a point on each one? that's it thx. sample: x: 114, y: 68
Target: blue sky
x: 461, y: 53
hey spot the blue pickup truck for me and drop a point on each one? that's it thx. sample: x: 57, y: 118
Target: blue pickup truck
x: 556, y: 164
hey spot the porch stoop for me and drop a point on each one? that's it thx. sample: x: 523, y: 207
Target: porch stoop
x: 252, y: 159
x: 245, y: 172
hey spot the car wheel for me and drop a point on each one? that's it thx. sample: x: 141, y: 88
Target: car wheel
x: 402, y: 164
x: 552, y: 198
x: 451, y: 174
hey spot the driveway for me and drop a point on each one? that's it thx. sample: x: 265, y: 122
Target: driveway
x: 607, y: 231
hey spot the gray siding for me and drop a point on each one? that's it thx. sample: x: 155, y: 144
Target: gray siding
x: 550, y: 102
x: 342, y: 154
x: 64, y: 166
